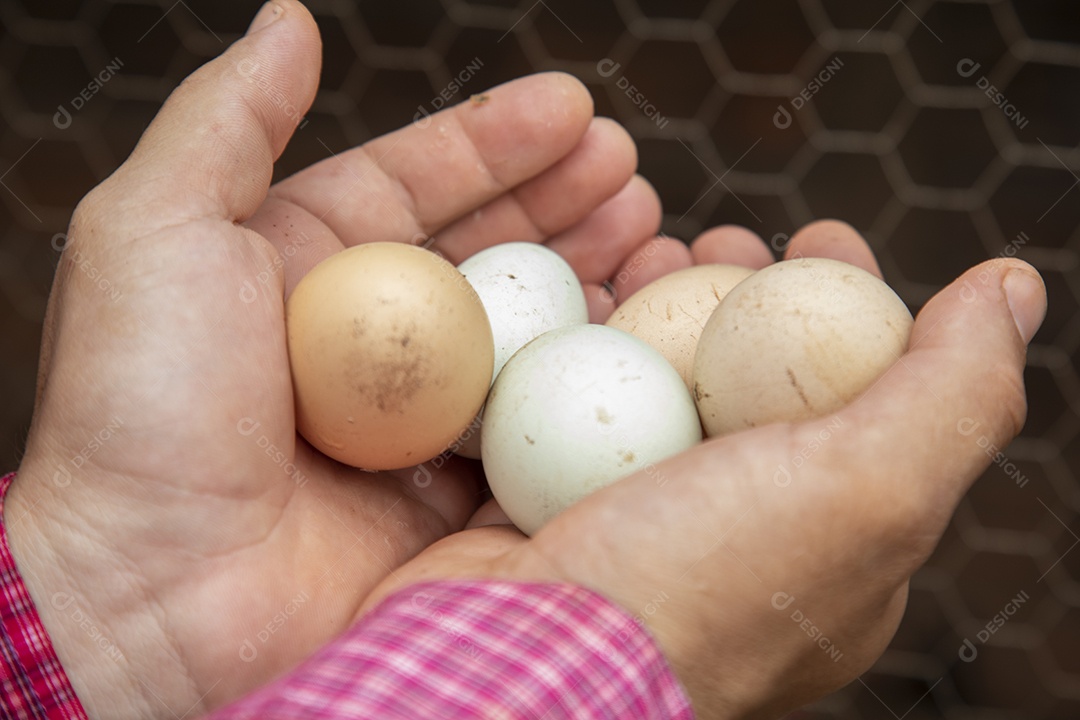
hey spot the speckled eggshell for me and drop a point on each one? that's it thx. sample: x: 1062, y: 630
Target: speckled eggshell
x: 391, y: 354
x: 671, y: 312
x: 575, y: 410
x: 797, y: 340
x: 526, y: 290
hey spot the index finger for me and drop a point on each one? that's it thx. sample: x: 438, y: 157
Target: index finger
x: 414, y: 181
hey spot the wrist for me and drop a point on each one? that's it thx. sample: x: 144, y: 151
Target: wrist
x: 95, y: 612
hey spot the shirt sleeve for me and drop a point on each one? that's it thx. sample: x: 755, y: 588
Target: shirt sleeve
x: 447, y: 649
x: 480, y: 649
x: 33, y: 685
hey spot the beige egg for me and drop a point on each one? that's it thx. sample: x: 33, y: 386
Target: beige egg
x: 799, y: 339
x: 391, y: 355
x: 671, y: 312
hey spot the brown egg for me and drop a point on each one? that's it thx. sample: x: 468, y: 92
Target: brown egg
x: 799, y: 339
x: 670, y: 313
x: 391, y: 355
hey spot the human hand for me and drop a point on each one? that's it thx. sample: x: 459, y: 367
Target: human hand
x: 164, y: 489
x: 772, y: 565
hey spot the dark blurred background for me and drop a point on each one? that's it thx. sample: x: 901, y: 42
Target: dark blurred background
x: 946, y: 132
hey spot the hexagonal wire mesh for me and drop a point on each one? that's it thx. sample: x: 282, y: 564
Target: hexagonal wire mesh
x: 946, y: 132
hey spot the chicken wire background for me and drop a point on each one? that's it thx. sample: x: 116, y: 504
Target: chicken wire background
x: 765, y: 113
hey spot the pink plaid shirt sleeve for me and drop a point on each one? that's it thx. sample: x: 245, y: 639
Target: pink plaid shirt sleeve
x: 447, y: 649
x: 480, y: 649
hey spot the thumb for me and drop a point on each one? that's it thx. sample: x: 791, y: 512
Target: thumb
x: 210, y: 150
x: 939, y: 416
x: 208, y: 155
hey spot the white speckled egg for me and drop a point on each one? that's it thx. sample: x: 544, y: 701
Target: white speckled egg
x: 526, y: 290
x: 575, y: 410
x: 797, y: 340
x: 670, y: 313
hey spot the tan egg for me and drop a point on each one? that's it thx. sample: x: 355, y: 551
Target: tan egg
x: 391, y: 355
x: 798, y: 340
x: 671, y: 312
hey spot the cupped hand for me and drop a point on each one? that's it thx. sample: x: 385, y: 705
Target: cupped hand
x: 772, y: 565
x: 164, y: 493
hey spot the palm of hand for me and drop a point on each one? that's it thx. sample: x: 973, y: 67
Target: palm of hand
x: 216, y: 495
x: 202, y: 494
x: 247, y: 550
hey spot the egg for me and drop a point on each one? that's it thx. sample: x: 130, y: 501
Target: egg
x: 797, y: 340
x: 671, y: 312
x: 391, y: 355
x: 575, y: 410
x: 526, y: 290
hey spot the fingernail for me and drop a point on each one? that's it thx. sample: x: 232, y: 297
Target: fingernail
x: 1024, y: 291
x: 267, y: 14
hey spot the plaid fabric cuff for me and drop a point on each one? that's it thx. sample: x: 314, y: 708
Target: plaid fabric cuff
x: 32, y: 682
x: 480, y: 649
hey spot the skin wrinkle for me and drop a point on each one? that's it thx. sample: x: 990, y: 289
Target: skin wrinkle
x: 527, y: 207
x: 96, y: 546
x: 401, y: 189
x: 623, y: 566
x: 497, y: 185
x: 535, y: 229
x: 282, y: 191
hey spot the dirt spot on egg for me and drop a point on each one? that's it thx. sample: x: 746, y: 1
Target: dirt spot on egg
x: 798, y: 388
x: 399, y: 379
x: 700, y: 394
